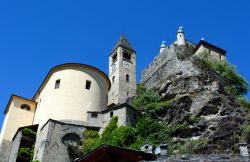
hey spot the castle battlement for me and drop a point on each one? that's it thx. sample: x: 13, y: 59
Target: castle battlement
x: 158, y: 62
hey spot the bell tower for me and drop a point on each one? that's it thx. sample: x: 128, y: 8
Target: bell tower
x: 122, y: 72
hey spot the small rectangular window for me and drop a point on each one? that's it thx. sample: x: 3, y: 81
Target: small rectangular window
x: 127, y: 78
x: 88, y: 85
x: 113, y: 79
x: 209, y: 51
x: 111, y: 114
x: 57, y: 84
x: 94, y: 115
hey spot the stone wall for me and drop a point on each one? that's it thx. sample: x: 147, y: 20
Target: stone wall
x: 203, y: 158
x: 158, y: 62
x: 51, y: 144
x: 15, y: 146
x: 5, y: 148
x: 126, y: 114
x: 167, y: 65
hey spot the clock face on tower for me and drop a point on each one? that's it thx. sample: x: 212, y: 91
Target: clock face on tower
x: 125, y: 64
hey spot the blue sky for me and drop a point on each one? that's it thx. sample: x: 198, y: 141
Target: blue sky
x: 36, y: 35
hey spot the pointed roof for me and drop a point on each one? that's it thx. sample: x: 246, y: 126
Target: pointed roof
x: 123, y: 42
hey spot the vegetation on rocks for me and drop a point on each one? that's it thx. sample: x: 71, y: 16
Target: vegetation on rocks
x: 149, y: 128
x: 170, y: 120
x: 237, y: 85
x: 243, y: 101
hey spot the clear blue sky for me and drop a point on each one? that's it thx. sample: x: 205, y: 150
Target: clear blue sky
x: 36, y: 35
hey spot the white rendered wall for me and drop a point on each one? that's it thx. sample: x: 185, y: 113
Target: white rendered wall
x: 180, y: 38
x: 71, y: 100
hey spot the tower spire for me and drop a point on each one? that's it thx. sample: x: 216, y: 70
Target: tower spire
x: 123, y: 42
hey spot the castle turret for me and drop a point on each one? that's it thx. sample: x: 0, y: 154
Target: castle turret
x: 180, y: 37
x: 163, y: 47
x: 122, y: 68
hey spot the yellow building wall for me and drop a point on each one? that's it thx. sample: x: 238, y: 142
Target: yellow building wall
x: 16, y: 117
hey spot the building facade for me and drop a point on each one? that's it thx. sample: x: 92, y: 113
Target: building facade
x: 76, y: 97
x: 72, y: 98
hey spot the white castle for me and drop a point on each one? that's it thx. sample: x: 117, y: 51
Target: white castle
x: 75, y: 97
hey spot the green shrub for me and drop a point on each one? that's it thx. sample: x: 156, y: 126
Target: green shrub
x: 243, y: 101
x: 122, y: 136
x: 229, y: 73
x: 29, y: 132
x: 108, y: 130
x: 90, y: 144
x: 26, y: 153
x: 245, y: 129
x: 155, y: 106
x: 145, y: 97
x: 192, y: 146
x: 90, y: 134
x: 237, y: 85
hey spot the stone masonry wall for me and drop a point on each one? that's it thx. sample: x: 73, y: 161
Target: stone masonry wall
x: 203, y: 158
x: 158, y: 61
x: 49, y: 144
x: 5, y: 148
x: 15, y: 146
x: 165, y: 65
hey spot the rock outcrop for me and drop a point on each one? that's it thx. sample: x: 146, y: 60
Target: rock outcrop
x: 200, y: 95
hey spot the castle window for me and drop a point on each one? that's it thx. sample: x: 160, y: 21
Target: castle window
x: 94, y: 115
x: 111, y: 114
x: 114, y: 58
x: 221, y: 58
x: 88, y: 85
x: 127, y: 55
x: 57, y: 84
x: 113, y: 79
x: 209, y: 51
x: 25, y: 107
x: 127, y: 78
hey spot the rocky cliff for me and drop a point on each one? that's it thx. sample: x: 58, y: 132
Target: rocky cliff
x: 200, y: 100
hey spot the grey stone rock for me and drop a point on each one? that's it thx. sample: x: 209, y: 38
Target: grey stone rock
x: 200, y: 94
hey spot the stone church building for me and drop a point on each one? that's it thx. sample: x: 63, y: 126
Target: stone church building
x: 75, y: 97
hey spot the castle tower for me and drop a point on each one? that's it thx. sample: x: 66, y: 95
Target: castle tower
x: 180, y: 37
x: 163, y: 47
x: 122, y: 72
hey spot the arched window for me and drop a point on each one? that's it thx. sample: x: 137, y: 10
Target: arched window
x: 71, y: 139
x: 25, y: 107
x: 127, y: 55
